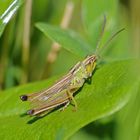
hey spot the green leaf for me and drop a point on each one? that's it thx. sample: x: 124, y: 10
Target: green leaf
x: 128, y: 118
x: 110, y: 89
x: 7, y: 9
x: 69, y: 40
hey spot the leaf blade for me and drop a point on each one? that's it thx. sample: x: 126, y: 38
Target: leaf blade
x: 110, y: 90
x: 68, y: 39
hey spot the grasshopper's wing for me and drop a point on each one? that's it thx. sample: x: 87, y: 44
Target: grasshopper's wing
x: 60, y: 85
x: 47, y: 95
x: 50, y: 104
x: 43, y: 97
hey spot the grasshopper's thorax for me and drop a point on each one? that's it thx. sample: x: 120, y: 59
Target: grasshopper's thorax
x: 90, y: 63
x: 79, y: 74
x: 84, y: 69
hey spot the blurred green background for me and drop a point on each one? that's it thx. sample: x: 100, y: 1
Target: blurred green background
x: 25, y: 51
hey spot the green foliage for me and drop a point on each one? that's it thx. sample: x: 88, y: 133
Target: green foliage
x: 109, y: 90
x: 129, y: 118
x: 114, y: 85
x: 7, y: 10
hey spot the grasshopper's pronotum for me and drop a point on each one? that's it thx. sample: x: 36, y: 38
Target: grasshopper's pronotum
x: 61, y: 93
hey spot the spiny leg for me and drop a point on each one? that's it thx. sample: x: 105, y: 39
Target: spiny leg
x: 65, y: 106
x: 72, y: 98
x: 73, y: 88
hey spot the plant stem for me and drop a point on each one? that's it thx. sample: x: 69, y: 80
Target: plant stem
x: 26, y: 40
x: 135, y: 26
x: 4, y: 59
x: 55, y: 48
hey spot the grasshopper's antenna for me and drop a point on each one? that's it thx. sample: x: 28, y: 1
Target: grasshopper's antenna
x: 101, y: 35
x: 110, y: 39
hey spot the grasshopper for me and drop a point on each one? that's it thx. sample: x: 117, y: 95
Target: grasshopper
x: 62, y: 92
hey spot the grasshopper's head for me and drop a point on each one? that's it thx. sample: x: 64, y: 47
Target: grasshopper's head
x: 90, y: 63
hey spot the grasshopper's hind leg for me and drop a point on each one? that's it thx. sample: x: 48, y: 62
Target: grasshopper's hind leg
x: 65, y: 106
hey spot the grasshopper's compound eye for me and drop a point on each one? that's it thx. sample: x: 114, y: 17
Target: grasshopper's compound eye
x: 30, y: 112
x: 24, y: 97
